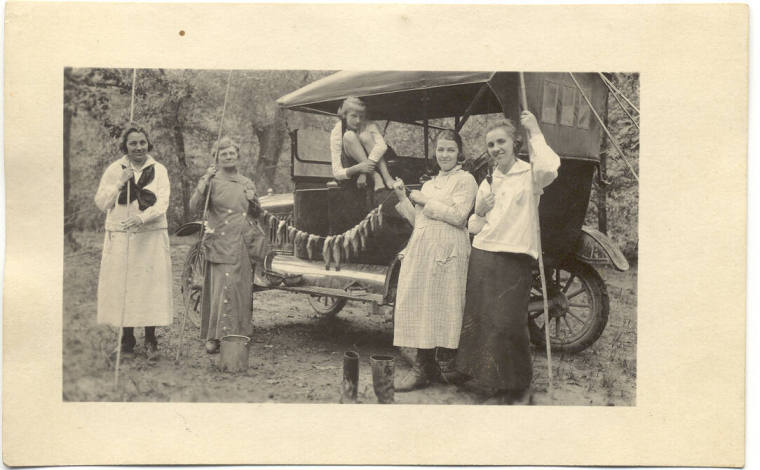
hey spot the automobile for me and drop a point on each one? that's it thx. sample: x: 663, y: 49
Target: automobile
x: 319, y: 208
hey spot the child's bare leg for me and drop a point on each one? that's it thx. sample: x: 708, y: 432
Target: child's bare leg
x: 353, y: 147
x: 383, y: 167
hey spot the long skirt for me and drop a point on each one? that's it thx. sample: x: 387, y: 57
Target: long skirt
x: 494, y: 347
x: 135, y: 278
x: 227, y: 307
x: 431, y: 287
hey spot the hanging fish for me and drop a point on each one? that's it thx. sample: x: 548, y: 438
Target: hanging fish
x: 282, y: 232
x: 364, y: 228
x: 327, y: 252
x: 373, y: 220
x: 311, y: 243
x: 299, y: 242
x: 361, y: 234
x: 380, y: 217
x: 292, y: 231
x: 337, y: 250
x: 355, y: 244
x: 346, y: 246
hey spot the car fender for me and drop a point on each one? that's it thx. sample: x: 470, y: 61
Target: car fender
x: 594, y: 247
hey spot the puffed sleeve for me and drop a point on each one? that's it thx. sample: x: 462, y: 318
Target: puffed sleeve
x: 163, y: 190
x: 379, y: 148
x: 476, y: 222
x: 108, y: 189
x: 463, y: 198
x: 406, y: 210
x: 545, y: 163
x: 336, y: 149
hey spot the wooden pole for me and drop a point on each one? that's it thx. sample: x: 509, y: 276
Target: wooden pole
x: 604, y: 127
x: 132, y: 103
x: 537, y: 232
x: 602, y: 200
x: 124, y: 304
x: 126, y: 257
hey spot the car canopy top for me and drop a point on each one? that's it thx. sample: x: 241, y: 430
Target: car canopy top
x: 414, y: 96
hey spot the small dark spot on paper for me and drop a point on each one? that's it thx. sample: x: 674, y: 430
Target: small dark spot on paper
x: 181, y: 32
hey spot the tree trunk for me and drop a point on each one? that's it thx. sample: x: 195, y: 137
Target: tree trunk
x: 270, y: 138
x: 185, y: 183
x: 68, y: 223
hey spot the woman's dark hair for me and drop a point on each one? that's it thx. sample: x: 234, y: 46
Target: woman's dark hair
x: 133, y: 127
x: 449, y: 134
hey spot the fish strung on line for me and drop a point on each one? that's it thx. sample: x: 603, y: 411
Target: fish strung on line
x: 346, y: 245
x: 373, y: 220
x: 380, y: 217
x: 273, y: 222
x: 361, y: 233
x: 364, y: 228
x: 355, y: 242
x: 282, y: 232
x: 327, y: 252
x: 299, y: 242
x: 311, y: 243
x: 337, y: 250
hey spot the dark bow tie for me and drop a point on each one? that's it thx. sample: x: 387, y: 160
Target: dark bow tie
x: 145, y: 198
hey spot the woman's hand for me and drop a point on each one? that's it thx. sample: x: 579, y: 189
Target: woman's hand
x: 126, y: 174
x: 211, y: 171
x: 133, y: 221
x: 400, y: 189
x: 203, y: 182
x: 361, y: 181
x: 250, y: 194
x: 529, y: 123
x: 366, y: 167
x: 418, y: 198
x: 484, y: 205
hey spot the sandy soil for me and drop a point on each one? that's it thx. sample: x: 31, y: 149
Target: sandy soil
x: 296, y: 356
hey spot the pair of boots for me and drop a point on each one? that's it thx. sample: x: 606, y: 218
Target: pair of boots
x: 128, y: 342
x: 429, y: 365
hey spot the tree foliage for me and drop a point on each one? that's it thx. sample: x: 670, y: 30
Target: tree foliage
x: 182, y: 110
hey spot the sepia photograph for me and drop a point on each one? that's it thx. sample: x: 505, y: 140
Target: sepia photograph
x: 310, y: 236
x: 236, y: 233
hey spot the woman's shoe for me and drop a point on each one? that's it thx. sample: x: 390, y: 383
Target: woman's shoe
x: 420, y: 374
x: 212, y: 346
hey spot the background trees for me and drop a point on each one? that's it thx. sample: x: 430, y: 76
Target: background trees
x: 182, y: 108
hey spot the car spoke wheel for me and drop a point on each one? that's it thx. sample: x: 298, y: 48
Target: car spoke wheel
x: 578, y: 308
x: 326, y: 305
x: 192, y: 284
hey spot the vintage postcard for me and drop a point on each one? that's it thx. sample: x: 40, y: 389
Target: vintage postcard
x: 284, y: 234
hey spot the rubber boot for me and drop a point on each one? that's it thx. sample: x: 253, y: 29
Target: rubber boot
x: 151, y: 343
x: 445, y: 358
x: 128, y: 342
x: 420, y: 374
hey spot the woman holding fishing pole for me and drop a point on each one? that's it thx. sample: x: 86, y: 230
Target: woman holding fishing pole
x: 494, y: 347
x: 232, y: 241
x: 135, y: 281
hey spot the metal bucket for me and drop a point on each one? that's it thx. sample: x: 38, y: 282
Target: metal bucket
x: 233, y: 355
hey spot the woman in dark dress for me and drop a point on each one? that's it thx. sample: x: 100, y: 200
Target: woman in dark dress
x: 494, y: 348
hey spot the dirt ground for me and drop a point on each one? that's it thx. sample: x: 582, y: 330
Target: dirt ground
x: 296, y: 356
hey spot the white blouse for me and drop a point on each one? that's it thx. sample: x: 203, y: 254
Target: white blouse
x: 510, y: 225
x: 153, y: 217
